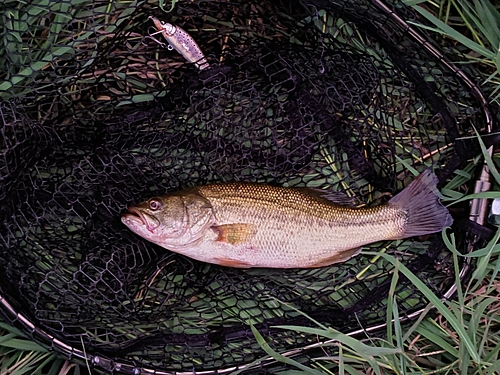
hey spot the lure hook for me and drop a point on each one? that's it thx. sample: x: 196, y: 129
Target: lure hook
x: 150, y: 36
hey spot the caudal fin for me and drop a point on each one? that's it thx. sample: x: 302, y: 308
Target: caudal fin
x: 425, y: 212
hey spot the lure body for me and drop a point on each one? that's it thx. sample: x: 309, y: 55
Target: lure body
x: 182, y: 42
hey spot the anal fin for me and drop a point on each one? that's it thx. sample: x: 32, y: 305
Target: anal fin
x: 337, y: 258
x: 228, y: 262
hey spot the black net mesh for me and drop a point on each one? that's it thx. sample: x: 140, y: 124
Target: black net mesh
x: 333, y: 95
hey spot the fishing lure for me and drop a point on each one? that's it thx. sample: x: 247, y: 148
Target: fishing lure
x: 182, y: 42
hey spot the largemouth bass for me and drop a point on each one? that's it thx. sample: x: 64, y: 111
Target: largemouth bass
x: 255, y: 225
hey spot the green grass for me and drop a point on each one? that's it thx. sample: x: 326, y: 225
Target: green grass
x: 21, y: 356
x: 475, y: 27
x: 459, y: 337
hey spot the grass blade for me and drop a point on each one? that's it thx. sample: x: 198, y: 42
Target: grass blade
x: 23, y: 344
x: 349, y: 341
x: 487, y: 158
x: 280, y: 358
x: 452, y: 319
x: 444, y: 28
x: 436, y: 339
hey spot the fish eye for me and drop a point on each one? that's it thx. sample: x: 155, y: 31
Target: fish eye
x: 154, y: 204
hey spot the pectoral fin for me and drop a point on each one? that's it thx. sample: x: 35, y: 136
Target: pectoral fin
x: 228, y: 262
x: 235, y: 233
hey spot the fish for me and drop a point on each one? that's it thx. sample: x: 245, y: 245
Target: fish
x: 245, y: 225
x: 182, y: 42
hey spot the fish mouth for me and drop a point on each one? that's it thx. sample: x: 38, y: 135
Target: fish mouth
x: 134, y: 215
x: 138, y: 218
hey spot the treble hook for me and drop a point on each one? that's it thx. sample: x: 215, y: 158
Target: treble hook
x: 150, y: 36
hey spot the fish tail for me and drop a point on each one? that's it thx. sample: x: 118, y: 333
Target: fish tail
x: 424, y: 211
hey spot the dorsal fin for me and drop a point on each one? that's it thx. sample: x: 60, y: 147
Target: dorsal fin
x: 337, y: 197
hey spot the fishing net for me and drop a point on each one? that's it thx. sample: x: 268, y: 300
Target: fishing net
x: 96, y: 115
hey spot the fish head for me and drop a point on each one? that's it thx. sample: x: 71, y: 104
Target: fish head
x: 171, y: 221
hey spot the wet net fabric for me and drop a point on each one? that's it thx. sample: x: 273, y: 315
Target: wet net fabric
x: 96, y: 116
